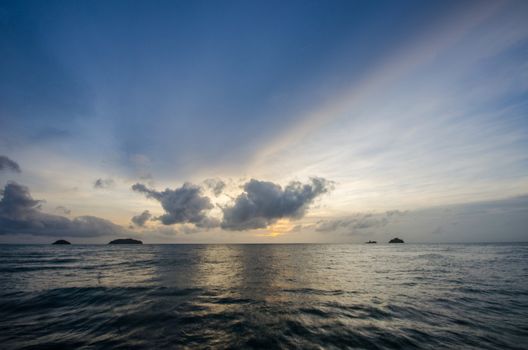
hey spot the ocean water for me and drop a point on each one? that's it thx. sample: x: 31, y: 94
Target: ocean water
x: 264, y: 296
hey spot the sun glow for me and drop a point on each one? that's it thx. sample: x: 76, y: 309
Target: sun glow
x: 279, y: 228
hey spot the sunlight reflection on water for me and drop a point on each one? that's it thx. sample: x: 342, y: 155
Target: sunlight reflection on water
x: 384, y: 296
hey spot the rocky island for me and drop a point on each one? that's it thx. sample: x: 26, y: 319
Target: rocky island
x: 125, y: 241
x: 371, y: 242
x: 61, y: 241
x: 396, y: 240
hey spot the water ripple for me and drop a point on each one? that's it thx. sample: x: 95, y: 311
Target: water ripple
x: 283, y: 296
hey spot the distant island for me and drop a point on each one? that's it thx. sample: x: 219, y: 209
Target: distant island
x: 396, y: 240
x: 125, y: 241
x: 371, y: 242
x: 61, y: 241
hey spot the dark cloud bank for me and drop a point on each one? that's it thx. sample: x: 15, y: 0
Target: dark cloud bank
x: 261, y: 204
x: 21, y: 214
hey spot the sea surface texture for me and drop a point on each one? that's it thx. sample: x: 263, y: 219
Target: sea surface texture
x: 264, y: 296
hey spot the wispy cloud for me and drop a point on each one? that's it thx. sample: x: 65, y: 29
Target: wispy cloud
x: 359, y: 221
x: 103, y: 183
x: 9, y: 164
x: 434, y: 127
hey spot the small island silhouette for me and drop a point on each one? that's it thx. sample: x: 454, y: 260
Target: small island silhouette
x: 396, y: 240
x: 61, y: 241
x: 371, y: 242
x: 125, y: 241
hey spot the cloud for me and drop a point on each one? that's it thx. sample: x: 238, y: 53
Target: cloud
x: 103, y: 183
x: 215, y: 185
x: 20, y: 214
x: 139, y: 220
x: 63, y: 210
x: 9, y: 164
x: 182, y: 205
x: 263, y: 203
x: 359, y: 221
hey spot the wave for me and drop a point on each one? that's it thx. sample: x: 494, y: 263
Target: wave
x: 163, y: 297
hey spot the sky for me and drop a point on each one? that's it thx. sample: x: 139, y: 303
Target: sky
x: 263, y: 121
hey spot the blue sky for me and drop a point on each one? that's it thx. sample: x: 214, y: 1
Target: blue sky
x: 412, y: 107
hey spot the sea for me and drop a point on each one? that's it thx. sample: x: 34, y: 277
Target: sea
x: 299, y: 296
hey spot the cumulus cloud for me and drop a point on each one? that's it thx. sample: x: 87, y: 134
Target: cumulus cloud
x: 215, y: 185
x: 103, y: 183
x: 21, y: 214
x: 141, y: 219
x: 9, y: 164
x: 262, y: 203
x: 182, y: 205
x: 359, y: 221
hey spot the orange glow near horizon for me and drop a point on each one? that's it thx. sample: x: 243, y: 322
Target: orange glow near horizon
x: 279, y: 228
